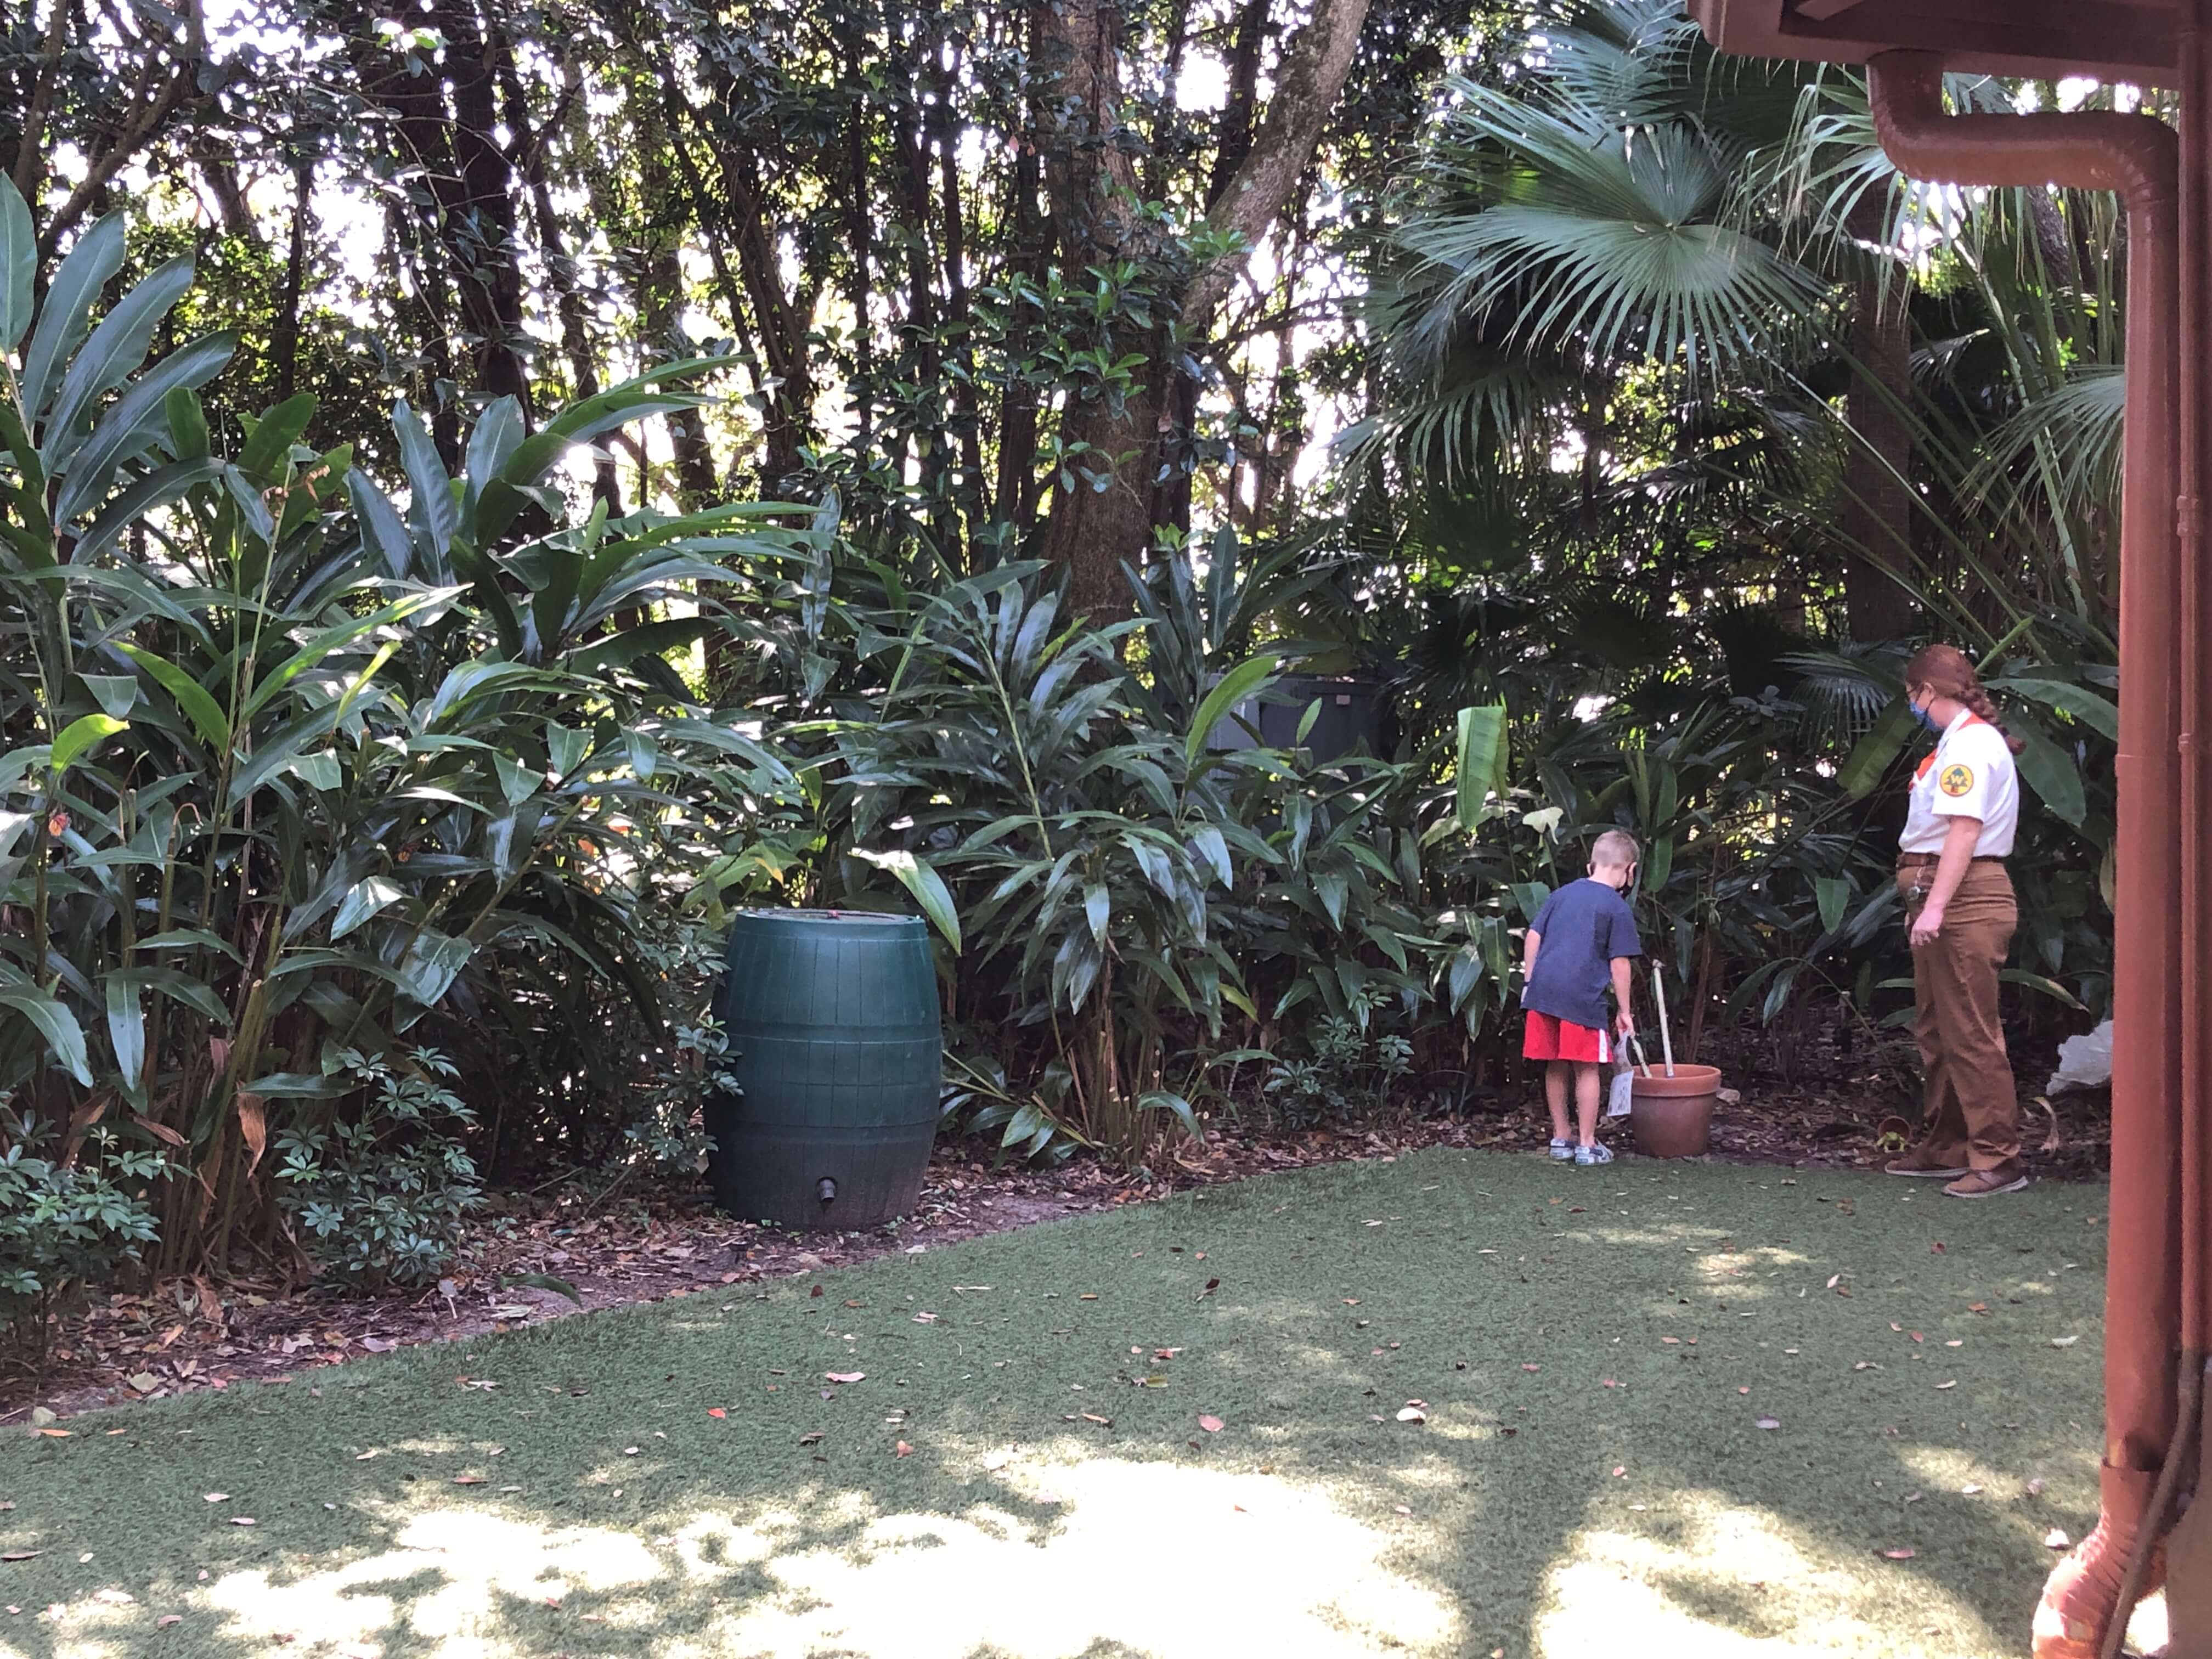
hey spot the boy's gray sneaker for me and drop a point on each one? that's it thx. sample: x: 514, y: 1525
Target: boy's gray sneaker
x: 1563, y: 1151
x: 1586, y: 1156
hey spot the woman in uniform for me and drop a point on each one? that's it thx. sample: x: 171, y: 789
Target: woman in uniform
x: 1959, y: 911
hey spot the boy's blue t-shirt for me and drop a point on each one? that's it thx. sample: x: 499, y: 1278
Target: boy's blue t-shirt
x: 1583, y: 927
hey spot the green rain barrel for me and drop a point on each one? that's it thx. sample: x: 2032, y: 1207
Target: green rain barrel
x: 831, y: 1019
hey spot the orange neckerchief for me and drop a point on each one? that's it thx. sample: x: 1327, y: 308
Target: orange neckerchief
x: 1929, y: 759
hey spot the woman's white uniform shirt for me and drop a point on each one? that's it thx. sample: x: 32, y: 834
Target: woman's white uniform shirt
x: 1970, y: 775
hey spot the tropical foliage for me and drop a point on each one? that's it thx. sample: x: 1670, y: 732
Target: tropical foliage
x: 517, y: 484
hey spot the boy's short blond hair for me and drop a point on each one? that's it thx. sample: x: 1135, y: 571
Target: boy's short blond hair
x: 1616, y: 849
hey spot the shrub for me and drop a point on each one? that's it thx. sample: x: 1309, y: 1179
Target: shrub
x: 378, y: 1195
x: 67, y: 1220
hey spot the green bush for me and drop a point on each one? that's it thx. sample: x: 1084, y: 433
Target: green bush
x: 70, y: 1216
x: 378, y: 1195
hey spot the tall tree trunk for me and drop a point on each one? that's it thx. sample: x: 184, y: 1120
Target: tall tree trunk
x: 1029, y: 258
x: 1107, y: 518
x: 1878, y: 504
x: 284, y: 335
x: 569, y: 301
x: 481, y: 238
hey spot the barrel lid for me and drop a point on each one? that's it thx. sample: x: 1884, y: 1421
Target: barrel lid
x: 869, y: 920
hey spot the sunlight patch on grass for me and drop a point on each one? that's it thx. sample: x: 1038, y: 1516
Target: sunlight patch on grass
x: 1697, y: 1577
x: 1256, y: 1564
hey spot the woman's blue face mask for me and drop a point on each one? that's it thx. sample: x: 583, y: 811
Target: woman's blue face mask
x: 1921, y: 713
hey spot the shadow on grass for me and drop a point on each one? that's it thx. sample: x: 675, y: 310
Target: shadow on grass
x: 589, y: 1503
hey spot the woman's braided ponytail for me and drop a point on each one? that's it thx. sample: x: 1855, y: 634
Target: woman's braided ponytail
x: 1949, y: 672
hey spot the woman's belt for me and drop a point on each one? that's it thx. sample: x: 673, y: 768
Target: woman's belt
x: 1916, y: 860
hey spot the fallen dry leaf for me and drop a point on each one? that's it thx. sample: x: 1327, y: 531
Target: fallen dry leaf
x: 1401, y: 1509
x: 1952, y: 1384
x: 2063, y: 1341
x: 1906, y: 1554
x: 812, y: 1438
x: 903, y: 1450
x: 716, y: 1411
x: 21, y: 1555
x: 2055, y: 1539
x: 1211, y: 1424
x: 468, y: 1480
x: 243, y: 1520
x: 167, y: 1619
x: 1770, y: 1423
x: 213, y: 1496
x: 1103, y: 1422
x: 844, y: 1377
x: 1411, y: 1413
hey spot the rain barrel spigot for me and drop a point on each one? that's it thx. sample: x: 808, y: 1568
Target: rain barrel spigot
x: 826, y: 1190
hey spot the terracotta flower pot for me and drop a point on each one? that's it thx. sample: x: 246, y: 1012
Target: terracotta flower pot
x: 1673, y: 1116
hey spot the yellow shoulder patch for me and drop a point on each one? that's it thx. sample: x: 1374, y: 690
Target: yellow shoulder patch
x: 1956, y: 780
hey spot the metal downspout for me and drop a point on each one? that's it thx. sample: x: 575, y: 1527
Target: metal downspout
x: 2138, y: 157
x: 2190, y: 1546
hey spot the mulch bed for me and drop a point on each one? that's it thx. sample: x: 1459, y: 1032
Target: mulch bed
x: 182, y: 1335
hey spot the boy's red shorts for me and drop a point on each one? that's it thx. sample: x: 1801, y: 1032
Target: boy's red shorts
x: 1546, y: 1037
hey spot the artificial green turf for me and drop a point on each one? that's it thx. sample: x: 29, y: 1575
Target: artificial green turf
x: 1537, y: 1510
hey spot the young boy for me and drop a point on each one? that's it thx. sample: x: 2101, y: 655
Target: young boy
x: 1583, y: 936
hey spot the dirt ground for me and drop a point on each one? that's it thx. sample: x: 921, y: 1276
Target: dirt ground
x: 1810, y: 1104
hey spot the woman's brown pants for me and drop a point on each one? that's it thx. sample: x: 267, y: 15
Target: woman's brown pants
x: 1971, y: 1116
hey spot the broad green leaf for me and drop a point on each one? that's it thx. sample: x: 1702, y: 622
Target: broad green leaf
x: 1481, y: 758
x: 1221, y: 588
x: 1530, y: 896
x: 1331, y: 886
x: 381, y: 526
x: 19, y: 264
x: 432, y: 510
x: 566, y: 748
x: 80, y: 734
x: 517, y: 782
x: 927, y: 887
x: 1239, y: 682
x: 498, y: 431
x: 126, y: 1032
x: 116, y: 694
x: 193, y: 993
x: 130, y: 506
x: 110, y: 357
x: 128, y: 424
x: 362, y: 902
x: 2050, y: 987
x: 66, y: 316
x: 1164, y: 1100
x: 1098, y: 910
x: 2051, y: 773
x: 64, y: 1038
x: 432, y: 962
x: 333, y: 639
x: 1658, y: 863
x: 263, y: 457
x: 1206, y: 842
x: 1834, y: 894
x: 319, y: 768
x: 1870, y: 759
x: 2092, y: 709
x: 205, y: 714
x: 654, y: 639
x: 189, y: 437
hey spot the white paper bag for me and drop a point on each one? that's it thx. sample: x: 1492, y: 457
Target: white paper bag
x: 1624, y: 1083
